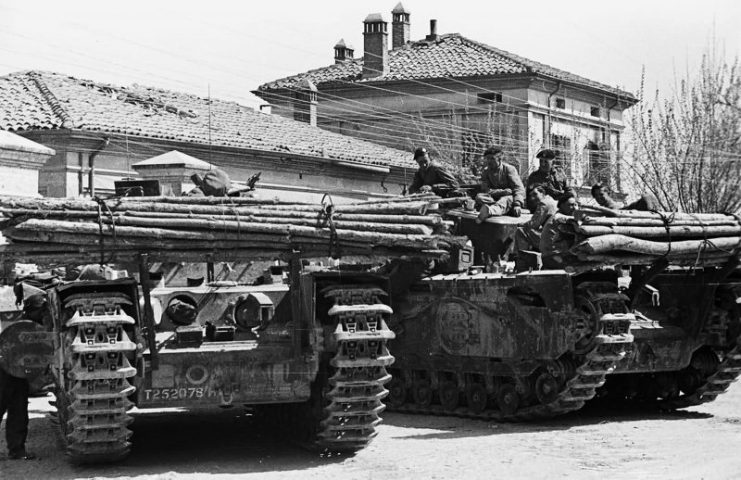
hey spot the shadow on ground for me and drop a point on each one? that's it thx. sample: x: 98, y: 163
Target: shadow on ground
x: 591, y: 414
x: 171, y: 444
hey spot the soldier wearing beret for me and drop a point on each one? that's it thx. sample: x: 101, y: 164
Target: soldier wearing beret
x: 552, y: 178
x: 430, y: 175
x: 502, y: 192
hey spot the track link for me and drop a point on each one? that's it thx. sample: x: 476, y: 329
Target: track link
x: 717, y: 383
x: 97, y: 351
x: 580, y: 375
x: 356, y: 389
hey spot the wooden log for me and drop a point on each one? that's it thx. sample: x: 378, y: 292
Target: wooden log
x: 651, y: 222
x: 183, y: 200
x: 402, y: 199
x: 261, y: 224
x: 123, y: 242
x: 638, y: 259
x: 613, y: 243
x: 298, y: 232
x: 382, y: 223
x: 671, y: 232
x: 429, y: 220
x: 408, y: 208
x: 608, y: 212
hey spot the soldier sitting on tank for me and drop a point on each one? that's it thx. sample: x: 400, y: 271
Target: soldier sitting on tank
x: 14, y: 390
x: 646, y: 202
x: 430, y: 177
x: 502, y: 192
x: 549, y: 176
x: 214, y: 183
x: 527, y: 237
x: 555, y: 242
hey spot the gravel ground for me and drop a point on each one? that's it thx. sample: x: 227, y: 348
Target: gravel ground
x: 595, y: 443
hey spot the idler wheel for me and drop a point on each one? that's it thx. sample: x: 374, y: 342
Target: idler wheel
x: 449, y: 395
x: 546, y: 388
x: 508, y: 400
x: 476, y: 397
x: 422, y: 393
x: 397, y: 392
x: 690, y: 379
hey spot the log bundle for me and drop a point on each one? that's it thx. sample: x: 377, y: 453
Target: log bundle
x: 58, y: 230
x: 599, y: 236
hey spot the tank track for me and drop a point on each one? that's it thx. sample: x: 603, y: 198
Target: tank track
x: 356, y: 389
x: 716, y: 384
x: 581, y: 375
x: 717, y: 381
x: 96, y: 354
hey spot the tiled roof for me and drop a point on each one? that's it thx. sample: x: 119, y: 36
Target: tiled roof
x: 41, y: 100
x: 452, y: 55
x: 11, y: 141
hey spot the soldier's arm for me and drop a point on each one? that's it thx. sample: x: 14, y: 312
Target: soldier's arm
x: 446, y: 178
x: 416, y: 183
x: 518, y: 189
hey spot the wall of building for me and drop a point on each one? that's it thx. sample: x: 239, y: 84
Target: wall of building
x: 283, y: 175
x: 457, y: 120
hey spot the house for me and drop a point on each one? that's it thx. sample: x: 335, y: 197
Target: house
x: 100, y: 131
x: 455, y: 95
x: 20, y: 162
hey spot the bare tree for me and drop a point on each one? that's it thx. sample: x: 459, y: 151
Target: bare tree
x: 687, y: 148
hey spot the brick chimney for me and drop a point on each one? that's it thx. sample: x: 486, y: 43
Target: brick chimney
x: 375, y: 51
x: 304, y: 105
x: 433, y: 32
x: 343, y: 53
x: 400, y: 29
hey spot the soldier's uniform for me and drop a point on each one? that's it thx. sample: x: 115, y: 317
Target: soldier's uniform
x: 554, y: 181
x: 501, y: 189
x: 14, y: 391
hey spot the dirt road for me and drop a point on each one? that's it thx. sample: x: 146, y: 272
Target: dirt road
x: 702, y: 442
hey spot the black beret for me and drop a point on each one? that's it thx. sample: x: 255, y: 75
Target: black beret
x: 419, y: 152
x: 547, y: 154
x: 492, y: 151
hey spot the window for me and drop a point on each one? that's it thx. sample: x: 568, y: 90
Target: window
x: 490, y: 97
x: 594, y: 111
x: 560, y: 103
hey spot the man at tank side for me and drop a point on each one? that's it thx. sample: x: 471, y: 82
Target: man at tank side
x: 550, y: 176
x: 502, y: 192
x: 646, y: 202
x: 527, y: 237
x: 430, y: 175
x: 554, y: 242
x: 14, y: 390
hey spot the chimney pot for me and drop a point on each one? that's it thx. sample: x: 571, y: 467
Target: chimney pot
x: 433, y: 30
x: 400, y: 27
x: 375, y: 43
x: 305, y: 102
x: 343, y: 52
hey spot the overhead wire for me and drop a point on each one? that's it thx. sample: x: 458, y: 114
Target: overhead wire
x: 390, y: 115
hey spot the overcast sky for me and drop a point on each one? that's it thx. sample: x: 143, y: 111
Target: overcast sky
x: 235, y: 46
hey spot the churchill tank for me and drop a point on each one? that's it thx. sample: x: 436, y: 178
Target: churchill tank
x: 514, y: 341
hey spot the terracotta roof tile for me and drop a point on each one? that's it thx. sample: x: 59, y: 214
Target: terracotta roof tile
x: 42, y: 100
x: 452, y: 55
